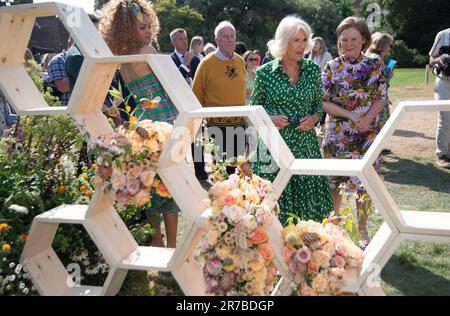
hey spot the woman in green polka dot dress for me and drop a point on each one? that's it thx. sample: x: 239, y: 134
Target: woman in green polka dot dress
x: 290, y: 90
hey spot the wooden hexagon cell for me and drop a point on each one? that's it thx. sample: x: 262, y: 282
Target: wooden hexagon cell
x: 429, y: 223
x: 94, y: 81
x: 371, y: 284
x: 185, y: 268
x: 46, y: 270
x: 16, y: 25
x: 182, y: 182
x: 115, y: 241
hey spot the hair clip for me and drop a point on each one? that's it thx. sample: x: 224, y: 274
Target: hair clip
x: 137, y: 12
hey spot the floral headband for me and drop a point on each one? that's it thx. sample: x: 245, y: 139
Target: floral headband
x: 136, y: 11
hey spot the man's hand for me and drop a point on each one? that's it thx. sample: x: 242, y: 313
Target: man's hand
x: 188, y: 58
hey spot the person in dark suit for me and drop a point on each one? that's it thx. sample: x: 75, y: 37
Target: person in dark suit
x: 186, y: 62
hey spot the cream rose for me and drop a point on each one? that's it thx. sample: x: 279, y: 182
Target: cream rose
x: 147, y: 178
x: 249, y: 221
x: 118, y: 179
x: 234, y: 213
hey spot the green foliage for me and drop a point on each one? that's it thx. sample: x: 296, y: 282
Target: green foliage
x: 407, y: 57
x: 256, y: 22
x: 98, y: 4
x: 172, y: 17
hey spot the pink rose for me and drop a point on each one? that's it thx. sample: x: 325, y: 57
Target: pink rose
x: 303, y: 255
x: 147, y: 178
x: 134, y: 172
x: 341, y: 249
x: 211, y: 285
x: 339, y: 261
x: 118, y: 180
x: 229, y: 200
x: 123, y: 196
x: 230, y: 184
x: 214, y: 267
x: 338, y: 273
x: 133, y: 186
x: 141, y: 198
x: 217, y: 190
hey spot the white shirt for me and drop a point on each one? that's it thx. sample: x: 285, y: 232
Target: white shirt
x: 322, y: 60
x: 181, y: 58
x: 222, y: 56
x: 442, y: 39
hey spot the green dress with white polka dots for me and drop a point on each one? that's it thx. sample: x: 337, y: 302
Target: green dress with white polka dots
x: 309, y: 197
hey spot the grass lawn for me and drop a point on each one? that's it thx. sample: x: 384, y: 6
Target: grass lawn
x: 410, y: 77
x: 417, y: 268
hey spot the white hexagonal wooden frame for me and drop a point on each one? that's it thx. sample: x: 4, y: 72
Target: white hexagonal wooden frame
x: 183, y: 184
x: 16, y: 26
x: 101, y: 220
x: 45, y: 268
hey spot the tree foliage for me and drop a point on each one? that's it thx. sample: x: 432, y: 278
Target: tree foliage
x: 172, y: 17
x: 415, y: 22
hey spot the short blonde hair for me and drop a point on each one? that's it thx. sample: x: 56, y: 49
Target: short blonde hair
x: 358, y: 24
x: 194, y: 42
x: 287, y: 28
x: 379, y: 42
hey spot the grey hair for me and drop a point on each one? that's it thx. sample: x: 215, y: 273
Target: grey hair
x: 287, y: 28
x: 222, y: 25
x: 175, y: 32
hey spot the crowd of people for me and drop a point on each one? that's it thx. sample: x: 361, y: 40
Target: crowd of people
x: 297, y: 82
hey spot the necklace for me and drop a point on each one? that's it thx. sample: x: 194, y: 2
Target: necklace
x: 297, y: 72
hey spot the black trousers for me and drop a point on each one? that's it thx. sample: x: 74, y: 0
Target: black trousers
x: 231, y: 143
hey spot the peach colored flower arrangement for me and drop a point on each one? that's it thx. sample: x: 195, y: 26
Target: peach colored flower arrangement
x: 319, y: 257
x: 236, y: 257
x: 128, y: 161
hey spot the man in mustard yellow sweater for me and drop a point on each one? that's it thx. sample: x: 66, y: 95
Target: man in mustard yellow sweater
x: 220, y: 81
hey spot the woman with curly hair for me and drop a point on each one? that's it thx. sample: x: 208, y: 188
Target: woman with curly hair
x: 129, y: 27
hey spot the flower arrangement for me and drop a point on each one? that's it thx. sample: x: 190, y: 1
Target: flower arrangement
x: 128, y: 160
x: 236, y: 257
x: 319, y: 256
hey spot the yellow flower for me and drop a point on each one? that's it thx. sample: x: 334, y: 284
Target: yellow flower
x: 291, y: 235
x: 133, y: 119
x: 261, y: 275
x: 6, y: 247
x: 61, y: 189
x: 83, y: 188
x: 94, y: 165
x: 84, y: 176
x: 128, y: 108
x: 223, y: 252
x: 3, y: 227
x: 84, y: 168
x: 319, y: 283
x: 229, y: 268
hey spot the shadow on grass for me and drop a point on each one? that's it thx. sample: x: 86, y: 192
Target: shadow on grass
x: 420, y: 172
x: 411, y: 134
x: 411, y: 280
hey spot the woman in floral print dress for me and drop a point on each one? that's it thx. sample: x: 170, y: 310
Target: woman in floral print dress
x: 355, y: 89
x: 290, y: 90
